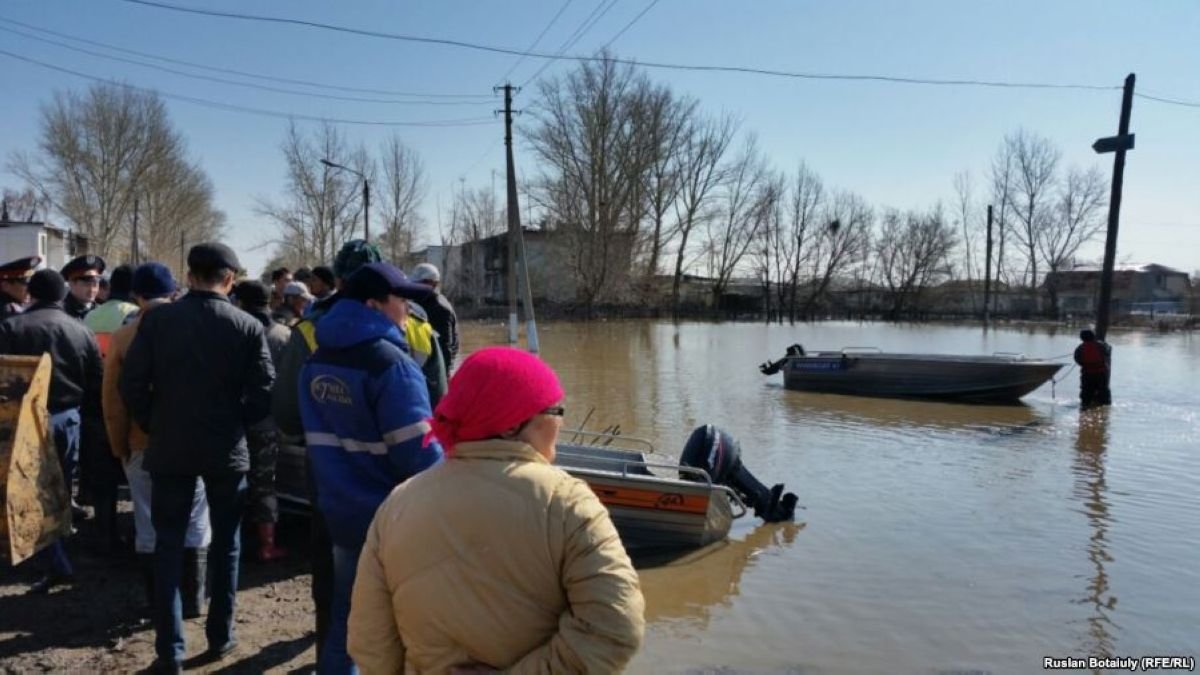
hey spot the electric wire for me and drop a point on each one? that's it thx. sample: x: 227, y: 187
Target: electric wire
x: 587, y: 24
x: 463, y: 122
x: 631, y: 23
x: 956, y: 82
x: 247, y: 85
x: 240, y: 73
x: 537, y: 40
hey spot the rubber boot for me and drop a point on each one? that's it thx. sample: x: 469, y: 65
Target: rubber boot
x: 192, y: 587
x: 146, y: 568
x: 267, y: 550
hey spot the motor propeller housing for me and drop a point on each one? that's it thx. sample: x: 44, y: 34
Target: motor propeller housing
x: 717, y: 452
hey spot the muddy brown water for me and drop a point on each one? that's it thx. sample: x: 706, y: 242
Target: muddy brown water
x: 934, y: 537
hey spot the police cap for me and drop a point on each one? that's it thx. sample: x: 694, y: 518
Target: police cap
x: 20, y: 269
x: 83, y: 266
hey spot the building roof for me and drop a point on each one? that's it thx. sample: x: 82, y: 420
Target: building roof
x: 1092, y: 268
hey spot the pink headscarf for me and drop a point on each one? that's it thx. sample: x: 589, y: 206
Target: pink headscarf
x: 494, y: 390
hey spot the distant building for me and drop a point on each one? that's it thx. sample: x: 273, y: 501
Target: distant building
x: 477, y: 271
x: 1137, y: 288
x: 22, y: 238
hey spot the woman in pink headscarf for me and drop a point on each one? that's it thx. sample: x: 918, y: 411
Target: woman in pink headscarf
x: 495, y: 558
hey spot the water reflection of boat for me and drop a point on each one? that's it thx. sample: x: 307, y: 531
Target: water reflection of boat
x: 994, y: 419
x: 870, y: 372
x: 689, y: 586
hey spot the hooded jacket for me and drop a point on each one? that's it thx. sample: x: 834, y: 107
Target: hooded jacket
x: 495, y: 557
x: 364, y: 406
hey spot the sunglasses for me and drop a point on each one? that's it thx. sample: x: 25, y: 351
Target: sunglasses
x: 554, y: 411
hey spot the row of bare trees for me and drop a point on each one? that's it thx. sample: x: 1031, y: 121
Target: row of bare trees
x: 1044, y: 213
x: 321, y: 207
x: 107, y: 152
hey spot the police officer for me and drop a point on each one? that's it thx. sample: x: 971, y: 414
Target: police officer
x: 14, y: 284
x: 83, y: 279
x: 74, y: 397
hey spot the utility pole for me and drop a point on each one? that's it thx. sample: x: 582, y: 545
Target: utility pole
x: 133, y: 244
x: 987, y: 271
x: 366, y: 210
x: 514, y: 216
x: 182, y: 257
x: 1119, y: 145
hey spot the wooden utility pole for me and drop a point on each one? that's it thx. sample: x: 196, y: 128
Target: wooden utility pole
x: 987, y: 271
x: 1119, y: 145
x: 514, y: 216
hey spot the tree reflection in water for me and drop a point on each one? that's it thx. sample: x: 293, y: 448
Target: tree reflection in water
x: 1091, y: 487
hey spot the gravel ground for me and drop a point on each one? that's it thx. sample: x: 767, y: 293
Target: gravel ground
x: 98, y: 623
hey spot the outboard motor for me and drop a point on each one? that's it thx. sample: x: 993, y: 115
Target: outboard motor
x: 772, y: 367
x: 715, y: 451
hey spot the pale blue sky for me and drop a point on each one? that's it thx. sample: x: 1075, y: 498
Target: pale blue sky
x: 898, y: 145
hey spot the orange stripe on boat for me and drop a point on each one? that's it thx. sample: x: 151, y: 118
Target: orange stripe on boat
x: 658, y: 500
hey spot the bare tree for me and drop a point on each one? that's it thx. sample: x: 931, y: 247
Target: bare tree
x: 175, y: 212
x: 25, y: 205
x: 591, y: 138
x: 667, y: 123
x: 321, y: 207
x: 1077, y: 219
x: 911, y: 252
x: 403, y: 191
x: 1036, y: 164
x: 474, y: 215
x: 841, y: 242
x: 98, y: 151
x: 774, y: 250
x: 807, y: 198
x: 699, y: 165
x: 746, y: 200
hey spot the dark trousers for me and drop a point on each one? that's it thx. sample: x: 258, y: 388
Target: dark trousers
x: 263, y: 504
x: 1093, y: 390
x: 322, y: 565
x: 170, y: 509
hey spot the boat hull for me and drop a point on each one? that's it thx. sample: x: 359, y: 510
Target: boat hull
x: 984, y: 379
x: 648, y: 510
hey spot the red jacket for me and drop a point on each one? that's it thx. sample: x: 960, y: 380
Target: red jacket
x: 1092, y: 357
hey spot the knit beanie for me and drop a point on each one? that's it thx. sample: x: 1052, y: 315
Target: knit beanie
x: 355, y: 254
x: 151, y: 281
x: 47, y: 286
x: 494, y: 390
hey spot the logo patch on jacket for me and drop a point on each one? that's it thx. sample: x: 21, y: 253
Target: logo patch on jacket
x: 329, y: 389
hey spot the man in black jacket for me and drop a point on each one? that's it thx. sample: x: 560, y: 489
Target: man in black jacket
x: 440, y: 312
x: 74, y: 397
x: 197, y: 375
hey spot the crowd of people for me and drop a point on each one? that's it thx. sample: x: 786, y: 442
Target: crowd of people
x: 441, y: 535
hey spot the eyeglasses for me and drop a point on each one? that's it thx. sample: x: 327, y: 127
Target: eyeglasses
x: 554, y: 411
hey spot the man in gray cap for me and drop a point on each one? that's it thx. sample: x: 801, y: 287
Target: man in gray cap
x: 197, y: 375
x: 440, y: 311
x: 74, y: 398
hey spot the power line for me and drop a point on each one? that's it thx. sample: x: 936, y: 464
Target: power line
x: 248, y: 85
x: 588, y: 22
x: 537, y: 40
x: 231, y: 71
x: 219, y: 105
x: 1169, y: 101
x: 746, y: 70
x: 630, y: 24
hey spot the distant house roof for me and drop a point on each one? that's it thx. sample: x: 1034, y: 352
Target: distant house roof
x: 1123, y: 267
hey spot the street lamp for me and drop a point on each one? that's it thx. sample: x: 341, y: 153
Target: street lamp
x: 366, y: 195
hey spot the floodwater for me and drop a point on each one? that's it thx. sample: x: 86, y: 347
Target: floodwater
x: 934, y: 537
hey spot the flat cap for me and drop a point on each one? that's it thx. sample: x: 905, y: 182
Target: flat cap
x: 83, y: 266
x: 212, y: 257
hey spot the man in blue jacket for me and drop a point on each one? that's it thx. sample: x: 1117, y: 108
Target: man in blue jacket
x: 364, y: 405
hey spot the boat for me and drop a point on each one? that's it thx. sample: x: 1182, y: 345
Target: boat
x: 867, y: 371
x: 655, y: 504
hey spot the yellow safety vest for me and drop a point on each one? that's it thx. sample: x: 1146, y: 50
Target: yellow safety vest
x: 418, y: 333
